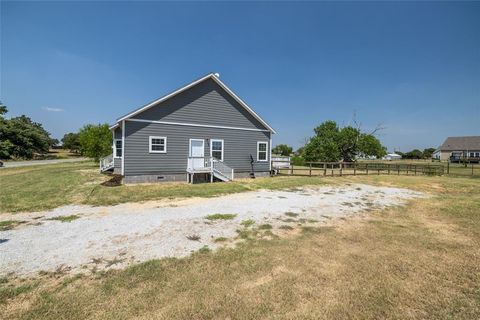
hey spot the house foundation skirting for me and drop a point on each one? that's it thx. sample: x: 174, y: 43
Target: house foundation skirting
x: 182, y: 177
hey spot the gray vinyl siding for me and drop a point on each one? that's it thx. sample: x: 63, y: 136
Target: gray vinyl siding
x: 238, y: 145
x: 206, y: 103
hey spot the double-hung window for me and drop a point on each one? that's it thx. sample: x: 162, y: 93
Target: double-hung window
x: 118, y: 148
x: 216, y: 149
x: 262, y: 149
x: 157, y: 144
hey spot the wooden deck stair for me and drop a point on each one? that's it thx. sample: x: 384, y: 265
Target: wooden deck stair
x: 213, y: 167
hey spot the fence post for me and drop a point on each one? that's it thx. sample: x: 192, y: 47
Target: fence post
x: 341, y: 169
x: 332, y: 169
x: 388, y: 166
x: 408, y: 166
x: 398, y: 169
x: 448, y: 167
x: 415, y: 167
x: 354, y: 168
x: 324, y: 169
x: 472, y: 168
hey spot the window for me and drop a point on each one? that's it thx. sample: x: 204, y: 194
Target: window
x: 477, y: 154
x: 472, y: 155
x: 262, y: 151
x: 158, y: 144
x: 118, y: 148
x: 216, y: 149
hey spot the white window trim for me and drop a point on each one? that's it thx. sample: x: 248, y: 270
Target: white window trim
x: 150, y: 144
x: 211, y: 144
x: 115, y: 148
x: 266, y: 151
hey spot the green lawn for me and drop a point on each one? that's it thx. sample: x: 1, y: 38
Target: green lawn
x: 48, y: 186
x: 420, y: 261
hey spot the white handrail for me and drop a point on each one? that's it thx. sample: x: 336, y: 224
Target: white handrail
x: 106, y: 162
x: 223, y: 169
x: 199, y: 163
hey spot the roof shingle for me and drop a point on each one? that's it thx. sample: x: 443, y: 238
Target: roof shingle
x: 461, y: 143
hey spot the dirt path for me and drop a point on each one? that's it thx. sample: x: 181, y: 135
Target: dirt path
x: 116, y: 236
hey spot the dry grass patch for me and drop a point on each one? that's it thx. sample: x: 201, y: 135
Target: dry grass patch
x: 394, y: 265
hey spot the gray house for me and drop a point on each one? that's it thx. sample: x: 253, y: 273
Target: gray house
x: 202, y: 131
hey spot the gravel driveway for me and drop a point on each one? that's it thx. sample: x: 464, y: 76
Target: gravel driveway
x: 116, y: 236
x: 14, y: 164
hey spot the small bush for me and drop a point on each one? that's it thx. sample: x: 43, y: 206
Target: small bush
x: 221, y: 239
x: 221, y: 216
x: 285, y: 227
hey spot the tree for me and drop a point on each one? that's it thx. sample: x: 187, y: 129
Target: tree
x: 95, y: 141
x: 71, y: 142
x: 414, y: 154
x: 428, y: 153
x: 20, y: 137
x: 370, y: 145
x: 282, y: 149
x: 331, y: 144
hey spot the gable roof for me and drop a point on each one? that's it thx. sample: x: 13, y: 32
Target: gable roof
x: 212, y: 76
x: 461, y: 143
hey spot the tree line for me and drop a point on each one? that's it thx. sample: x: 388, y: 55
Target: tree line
x: 22, y: 138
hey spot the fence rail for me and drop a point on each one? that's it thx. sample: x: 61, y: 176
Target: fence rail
x: 359, y: 168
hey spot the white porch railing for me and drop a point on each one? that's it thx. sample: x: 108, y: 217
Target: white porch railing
x: 199, y: 164
x: 106, y: 163
x: 210, y: 165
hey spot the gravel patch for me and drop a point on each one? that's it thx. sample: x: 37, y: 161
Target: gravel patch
x: 116, y: 236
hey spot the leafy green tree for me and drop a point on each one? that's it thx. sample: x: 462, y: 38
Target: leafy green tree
x: 95, y: 141
x: 331, y: 144
x: 20, y: 137
x: 371, y: 146
x: 428, y: 153
x: 414, y: 154
x: 71, y: 142
x: 282, y: 149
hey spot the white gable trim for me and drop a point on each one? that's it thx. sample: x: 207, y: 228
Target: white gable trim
x: 208, y: 76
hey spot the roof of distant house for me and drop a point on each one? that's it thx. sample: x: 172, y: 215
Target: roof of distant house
x: 461, y: 143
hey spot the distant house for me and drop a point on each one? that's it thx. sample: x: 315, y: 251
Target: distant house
x: 392, y: 156
x: 202, y: 131
x: 458, y: 149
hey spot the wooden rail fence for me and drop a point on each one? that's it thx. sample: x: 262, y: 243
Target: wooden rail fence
x: 358, y: 168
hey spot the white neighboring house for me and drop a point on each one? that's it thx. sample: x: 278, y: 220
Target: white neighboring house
x: 392, y: 156
x: 437, y: 155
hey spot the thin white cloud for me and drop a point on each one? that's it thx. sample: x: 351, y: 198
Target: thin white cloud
x: 52, y: 109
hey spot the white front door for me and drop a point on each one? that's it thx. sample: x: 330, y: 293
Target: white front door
x: 197, y: 150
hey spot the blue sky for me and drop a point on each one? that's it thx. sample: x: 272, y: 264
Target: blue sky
x: 414, y: 67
